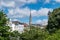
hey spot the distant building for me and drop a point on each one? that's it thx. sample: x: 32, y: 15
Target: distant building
x: 39, y: 26
x: 16, y: 25
x: 36, y: 25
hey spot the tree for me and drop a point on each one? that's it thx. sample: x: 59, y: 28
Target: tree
x: 34, y: 34
x: 54, y: 20
x: 4, y: 29
x: 15, y: 35
x: 54, y: 36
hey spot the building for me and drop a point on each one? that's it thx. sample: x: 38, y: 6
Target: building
x: 36, y: 25
x: 30, y: 19
x: 39, y: 26
x: 18, y: 26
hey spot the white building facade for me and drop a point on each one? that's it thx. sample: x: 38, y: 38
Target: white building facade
x: 18, y: 27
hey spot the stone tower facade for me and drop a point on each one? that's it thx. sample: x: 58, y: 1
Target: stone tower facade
x: 30, y: 19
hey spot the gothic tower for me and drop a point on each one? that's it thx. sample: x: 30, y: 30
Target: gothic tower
x: 30, y: 19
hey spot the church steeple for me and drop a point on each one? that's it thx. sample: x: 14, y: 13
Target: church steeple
x: 30, y: 19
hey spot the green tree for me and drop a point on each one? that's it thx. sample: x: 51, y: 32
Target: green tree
x: 15, y: 35
x: 34, y: 34
x: 4, y: 29
x: 54, y: 36
x: 54, y: 20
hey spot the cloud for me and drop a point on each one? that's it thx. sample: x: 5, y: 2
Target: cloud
x: 44, y: 11
x: 32, y: 1
x: 57, y: 1
x: 25, y: 12
x: 28, y: 1
x: 42, y: 22
x: 47, y: 1
x: 15, y: 12
x: 7, y: 4
x: 18, y: 13
x: 15, y: 3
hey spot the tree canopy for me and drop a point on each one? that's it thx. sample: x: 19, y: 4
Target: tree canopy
x: 3, y: 26
x: 54, y: 20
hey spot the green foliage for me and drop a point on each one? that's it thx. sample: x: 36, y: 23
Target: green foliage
x: 5, y: 34
x: 3, y: 19
x: 54, y: 21
x: 15, y: 34
x: 34, y: 34
x: 4, y: 29
x: 38, y: 34
x: 54, y: 36
x: 1, y: 38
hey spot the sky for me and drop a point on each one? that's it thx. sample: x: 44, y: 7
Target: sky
x: 19, y: 10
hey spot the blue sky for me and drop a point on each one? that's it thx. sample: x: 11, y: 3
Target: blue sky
x: 19, y: 10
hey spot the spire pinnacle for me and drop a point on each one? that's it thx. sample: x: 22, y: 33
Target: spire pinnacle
x: 30, y: 19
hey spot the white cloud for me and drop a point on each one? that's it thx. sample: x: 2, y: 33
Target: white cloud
x: 7, y: 4
x: 27, y: 1
x: 24, y: 12
x: 11, y: 12
x: 15, y: 20
x: 18, y: 13
x: 57, y: 1
x: 44, y: 11
x: 41, y: 12
x: 47, y: 1
x: 15, y: 3
x: 32, y: 1
x: 42, y: 22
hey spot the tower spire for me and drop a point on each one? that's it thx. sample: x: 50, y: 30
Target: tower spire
x: 30, y: 19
